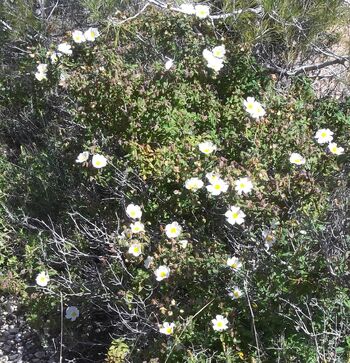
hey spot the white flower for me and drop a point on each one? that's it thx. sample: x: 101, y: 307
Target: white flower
x: 216, y: 64
x: 135, y: 249
x: 64, y: 76
x: 208, y: 55
x: 91, y: 34
x: 40, y: 76
x: 137, y: 227
x: 335, y: 149
x: 243, y: 185
x: 296, y: 159
x: 42, y: 279
x: 78, y: 36
x: 173, y: 230
x: 134, y: 211
x: 206, y: 147
x: 65, y: 48
x: 258, y: 110
x: 99, y: 161
x: 218, y: 187
x: 212, y: 61
x: 219, y: 51
x: 212, y: 178
x: 53, y: 57
x: 187, y: 9
x: 202, y: 11
x: 236, y: 293
x: 249, y: 104
x: 148, y: 261
x: 42, y: 68
x: 72, y: 313
x: 167, y: 328
x: 82, y: 157
x: 168, y: 64
x: 234, y: 215
x: 254, y: 108
x: 220, y: 323
x: 183, y: 243
x: 162, y: 272
x: 234, y: 263
x: 324, y: 136
x: 269, y: 239
x: 193, y: 184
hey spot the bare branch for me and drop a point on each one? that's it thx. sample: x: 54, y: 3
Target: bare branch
x: 306, y: 68
x: 258, y: 11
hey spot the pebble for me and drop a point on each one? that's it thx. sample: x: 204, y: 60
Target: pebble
x: 18, y: 342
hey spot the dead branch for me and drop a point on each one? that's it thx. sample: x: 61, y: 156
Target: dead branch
x: 306, y: 68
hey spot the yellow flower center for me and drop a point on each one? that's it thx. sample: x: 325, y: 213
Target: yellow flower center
x: 242, y: 185
x: 250, y: 106
x: 236, y: 294
x: 234, y: 265
x: 217, y: 186
x: 323, y: 134
x: 334, y: 149
x: 98, y: 163
x: 136, y: 249
x: 219, y: 324
x: 162, y: 274
x: 173, y: 230
x: 269, y: 237
x: 42, y: 279
x: 206, y: 151
x: 235, y: 215
x: 169, y: 330
x: 74, y: 314
x: 133, y: 213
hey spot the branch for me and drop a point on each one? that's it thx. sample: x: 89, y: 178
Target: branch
x: 136, y: 15
x: 163, y: 5
x: 245, y: 284
x: 257, y: 11
x: 5, y: 24
x: 306, y: 68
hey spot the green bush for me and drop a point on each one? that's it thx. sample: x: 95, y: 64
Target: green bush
x: 69, y: 219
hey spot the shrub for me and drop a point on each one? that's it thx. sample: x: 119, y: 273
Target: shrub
x: 118, y: 100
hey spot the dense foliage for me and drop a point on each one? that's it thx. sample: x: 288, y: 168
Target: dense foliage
x: 114, y: 97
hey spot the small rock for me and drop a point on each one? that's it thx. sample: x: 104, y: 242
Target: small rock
x: 6, y: 349
x: 39, y: 354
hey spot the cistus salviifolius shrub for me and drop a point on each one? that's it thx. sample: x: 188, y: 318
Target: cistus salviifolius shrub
x: 170, y: 202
